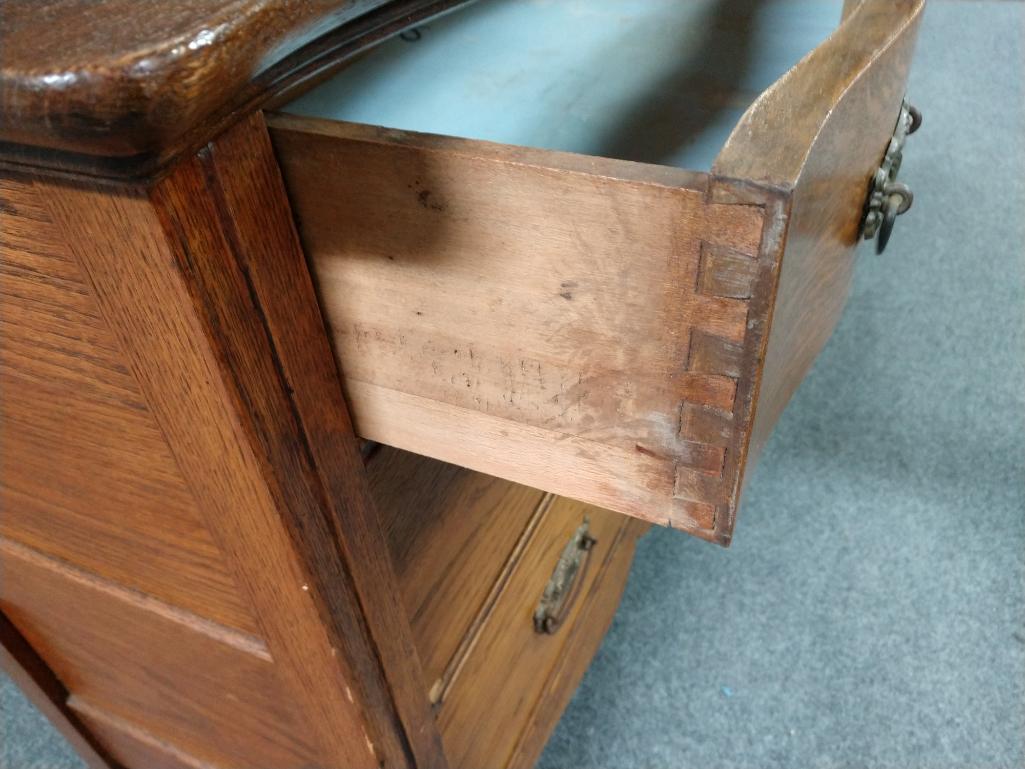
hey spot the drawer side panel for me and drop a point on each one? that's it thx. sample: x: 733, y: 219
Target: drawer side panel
x: 576, y: 324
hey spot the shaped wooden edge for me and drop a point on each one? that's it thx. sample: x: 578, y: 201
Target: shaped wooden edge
x: 778, y: 132
x: 109, y: 90
x: 820, y: 133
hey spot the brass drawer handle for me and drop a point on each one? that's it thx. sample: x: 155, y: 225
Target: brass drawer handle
x: 888, y: 198
x: 566, y: 583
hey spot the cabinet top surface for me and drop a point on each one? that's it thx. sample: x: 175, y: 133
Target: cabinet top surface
x: 127, y: 79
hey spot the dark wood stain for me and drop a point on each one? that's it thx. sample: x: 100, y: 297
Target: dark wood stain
x: 105, y: 90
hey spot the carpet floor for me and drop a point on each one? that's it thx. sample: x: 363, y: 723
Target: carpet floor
x: 871, y: 611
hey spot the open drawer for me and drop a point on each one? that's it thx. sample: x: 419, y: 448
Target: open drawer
x: 621, y: 333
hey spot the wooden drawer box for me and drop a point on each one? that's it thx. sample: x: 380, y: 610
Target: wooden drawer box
x: 620, y: 333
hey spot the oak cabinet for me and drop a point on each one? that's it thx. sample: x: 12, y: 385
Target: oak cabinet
x: 327, y: 443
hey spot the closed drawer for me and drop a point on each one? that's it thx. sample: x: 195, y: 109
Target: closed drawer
x: 452, y: 534
x: 620, y: 333
x: 522, y: 663
x: 474, y: 556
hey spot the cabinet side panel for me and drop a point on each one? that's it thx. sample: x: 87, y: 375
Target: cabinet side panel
x: 42, y: 688
x: 85, y: 473
x: 201, y: 280
x: 179, y: 683
x: 111, y: 576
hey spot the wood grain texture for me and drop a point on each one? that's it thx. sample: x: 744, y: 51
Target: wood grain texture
x: 488, y: 709
x: 42, y: 688
x: 190, y: 689
x: 85, y: 473
x: 472, y: 553
x: 121, y: 87
x: 821, y: 131
x: 595, y: 328
x: 194, y: 549
x: 265, y: 242
x: 132, y: 746
x: 536, y: 315
x: 848, y: 7
x: 582, y: 644
x: 450, y: 532
x: 198, y: 342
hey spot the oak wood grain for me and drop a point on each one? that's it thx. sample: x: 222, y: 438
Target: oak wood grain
x: 821, y: 131
x: 267, y: 247
x: 488, y: 707
x: 537, y: 315
x: 450, y: 532
x: 120, y: 88
x: 188, y: 688
x: 132, y: 746
x: 848, y: 7
x: 594, y: 328
x: 196, y: 341
x: 85, y: 473
x: 42, y: 688
x: 472, y: 554
x: 582, y: 644
x: 620, y: 333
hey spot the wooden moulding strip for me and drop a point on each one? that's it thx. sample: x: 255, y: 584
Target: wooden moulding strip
x: 243, y: 642
x: 43, y: 689
x: 440, y: 688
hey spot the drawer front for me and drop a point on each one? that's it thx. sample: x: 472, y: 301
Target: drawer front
x: 450, y: 532
x: 596, y: 328
x: 521, y: 664
x: 473, y: 555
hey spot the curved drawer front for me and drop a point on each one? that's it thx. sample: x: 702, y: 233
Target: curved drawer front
x: 597, y: 328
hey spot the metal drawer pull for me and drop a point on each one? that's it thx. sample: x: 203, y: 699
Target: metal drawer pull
x: 888, y: 198
x: 566, y: 583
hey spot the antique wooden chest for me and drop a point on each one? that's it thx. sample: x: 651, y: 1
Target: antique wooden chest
x: 327, y: 443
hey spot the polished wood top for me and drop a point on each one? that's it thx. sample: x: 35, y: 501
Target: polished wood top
x: 117, y: 87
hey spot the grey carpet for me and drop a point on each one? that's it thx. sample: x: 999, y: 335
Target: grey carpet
x: 27, y: 740
x: 871, y: 612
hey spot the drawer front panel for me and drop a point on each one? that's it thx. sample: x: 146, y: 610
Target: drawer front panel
x: 510, y: 669
x: 822, y: 130
x: 450, y: 532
